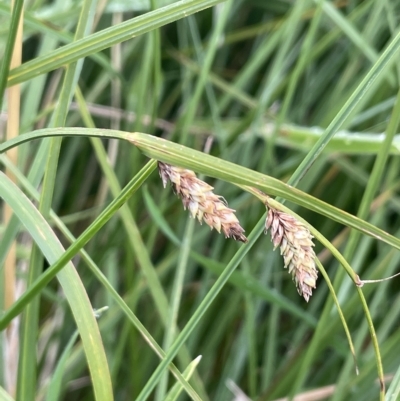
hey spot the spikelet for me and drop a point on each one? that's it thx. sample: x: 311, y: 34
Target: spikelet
x: 295, y: 242
x: 203, y: 204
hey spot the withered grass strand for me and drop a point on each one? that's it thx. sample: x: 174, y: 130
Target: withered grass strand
x: 203, y: 204
x: 295, y: 242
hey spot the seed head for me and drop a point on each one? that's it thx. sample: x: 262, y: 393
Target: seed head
x: 295, y: 241
x: 197, y: 196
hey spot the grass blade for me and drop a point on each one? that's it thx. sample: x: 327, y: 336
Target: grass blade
x: 69, y: 280
x: 108, y: 37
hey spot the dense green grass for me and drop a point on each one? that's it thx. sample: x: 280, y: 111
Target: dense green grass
x: 298, y: 99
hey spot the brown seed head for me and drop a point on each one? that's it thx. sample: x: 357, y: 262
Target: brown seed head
x: 197, y: 196
x: 295, y: 242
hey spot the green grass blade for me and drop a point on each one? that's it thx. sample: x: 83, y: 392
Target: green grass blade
x: 69, y: 280
x: 108, y: 37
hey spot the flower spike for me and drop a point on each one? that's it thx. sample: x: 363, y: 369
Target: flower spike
x: 295, y: 242
x: 203, y: 204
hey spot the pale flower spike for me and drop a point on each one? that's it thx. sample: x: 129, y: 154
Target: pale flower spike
x: 295, y: 242
x: 203, y: 204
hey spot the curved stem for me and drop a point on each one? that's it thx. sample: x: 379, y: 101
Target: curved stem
x: 178, y: 155
x: 63, y: 132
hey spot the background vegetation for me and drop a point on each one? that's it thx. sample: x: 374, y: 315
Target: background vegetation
x: 256, y: 83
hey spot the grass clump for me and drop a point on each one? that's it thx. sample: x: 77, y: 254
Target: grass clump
x: 298, y: 100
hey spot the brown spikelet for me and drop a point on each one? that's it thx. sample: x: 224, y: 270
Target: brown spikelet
x: 295, y: 242
x: 197, y: 196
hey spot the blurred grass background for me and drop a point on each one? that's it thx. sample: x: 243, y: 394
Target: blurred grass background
x: 241, y: 80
